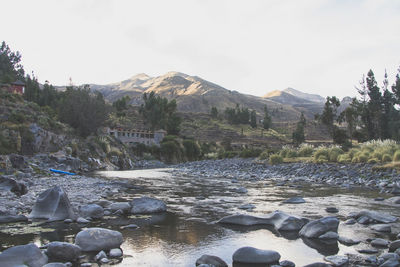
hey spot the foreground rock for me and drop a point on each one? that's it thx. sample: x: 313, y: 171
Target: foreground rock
x: 52, y: 204
x: 252, y: 255
x: 318, y: 228
x: 337, y: 260
x: 6, y: 218
x: 93, y: 211
x: 147, y: 205
x: 211, y: 260
x: 25, y: 255
x: 280, y: 220
x: 368, y: 216
x: 62, y: 251
x: 294, y: 200
x: 97, y: 239
x: 10, y: 184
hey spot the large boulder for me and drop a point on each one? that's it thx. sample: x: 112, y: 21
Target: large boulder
x: 375, y: 217
x: 63, y: 251
x: 92, y: 211
x: 147, y: 205
x: 97, y: 239
x: 52, y: 204
x: 317, y: 228
x: 10, y: 184
x: 280, y: 220
x: 250, y: 255
x: 25, y: 255
x: 211, y: 260
x: 17, y: 161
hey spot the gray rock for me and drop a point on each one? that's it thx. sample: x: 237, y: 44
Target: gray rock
x: 10, y: 184
x: 379, y: 242
x: 82, y: 220
x: 23, y: 255
x: 86, y: 264
x: 388, y: 256
x: 115, y: 253
x: 394, y: 245
x: 55, y: 264
x: 124, y: 206
x: 367, y: 251
x: 13, y: 218
x: 147, y: 205
x: 348, y: 241
x: 317, y: 264
x: 100, y: 255
x: 97, y: 239
x: 247, y: 207
x: 390, y: 263
x: 350, y: 221
x: 329, y: 235
x: 315, y: 229
x: 104, y: 261
x: 287, y: 264
x: 395, y: 200
x: 68, y: 221
x: 211, y: 261
x: 254, y: 255
x: 241, y: 190
x: 331, y: 210
x: 280, y: 220
x: 52, y: 204
x: 376, y: 216
x: 130, y: 226
x: 337, y: 260
x: 385, y: 228
x: 294, y: 200
x: 63, y: 251
x: 92, y: 211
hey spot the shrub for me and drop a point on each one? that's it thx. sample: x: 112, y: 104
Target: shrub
x: 250, y: 153
x: 275, y: 159
x: 373, y: 161
x: 334, y: 152
x: 264, y: 155
x: 321, y: 152
x: 396, y: 155
x: 377, y: 155
x: 291, y: 153
x: 192, y: 149
x: 386, y: 158
x: 171, y: 151
x: 305, y: 150
x: 114, y: 151
x: 344, y: 158
x: 322, y: 159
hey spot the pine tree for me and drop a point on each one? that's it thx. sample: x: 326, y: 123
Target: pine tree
x: 267, y: 121
x: 253, y: 119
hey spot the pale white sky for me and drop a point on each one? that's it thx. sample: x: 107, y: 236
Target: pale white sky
x: 252, y: 46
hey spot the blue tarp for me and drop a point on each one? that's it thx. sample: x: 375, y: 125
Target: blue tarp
x: 63, y: 172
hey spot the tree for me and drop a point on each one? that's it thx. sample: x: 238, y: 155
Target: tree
x: 298, y: 135
x: 350, y: 116
x: 11, y: 68
x: 374, y: 106
x: 214, y: 112
x: 82, y: 110
x: 253, y: 119
x: 267, y: 121
x: 329, y: 114
x: 160, y: 113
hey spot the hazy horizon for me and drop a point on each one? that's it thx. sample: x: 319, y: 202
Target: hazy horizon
x: 316, y: 46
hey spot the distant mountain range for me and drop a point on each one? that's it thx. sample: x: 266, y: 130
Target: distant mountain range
x: 194, y: 94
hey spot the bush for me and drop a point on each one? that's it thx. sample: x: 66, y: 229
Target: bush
x: 322, y: 159
x: 386, y: 158
x: 377, y: 155
x: 291, y: 153
x: 396, y: 155
x: 275, y: 159
x: 171, y: 151
x: 334, y: 153
x: 305, y: 150
x: 344, y: 158
x: 373, y: 161
x: 321, y: 152
x: 192, y: 149
x: 250, y: 153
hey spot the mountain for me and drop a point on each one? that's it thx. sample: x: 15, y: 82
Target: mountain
x: 310, y: 97
x: 194, y: 94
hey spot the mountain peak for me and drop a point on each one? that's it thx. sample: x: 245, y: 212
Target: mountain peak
x: 140, y: 76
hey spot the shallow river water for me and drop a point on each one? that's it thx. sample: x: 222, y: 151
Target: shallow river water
x: 188, y: 230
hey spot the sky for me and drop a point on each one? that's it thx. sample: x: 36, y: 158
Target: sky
x: 251, y: 46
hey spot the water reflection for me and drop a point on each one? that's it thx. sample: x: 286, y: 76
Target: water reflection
x: 187, y: 231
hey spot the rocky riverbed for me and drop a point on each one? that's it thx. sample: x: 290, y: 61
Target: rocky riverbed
x: 329, y: 213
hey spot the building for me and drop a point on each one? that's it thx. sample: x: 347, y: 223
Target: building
x: 135, y: 136
x: 16, y: 87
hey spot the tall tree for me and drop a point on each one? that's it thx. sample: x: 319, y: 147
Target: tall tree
x: 267, y: 121
x: 329, y: 114
x: 11, y: 68
x: 214, y: 112
x: 253, y: 119
x: 298, y: 136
